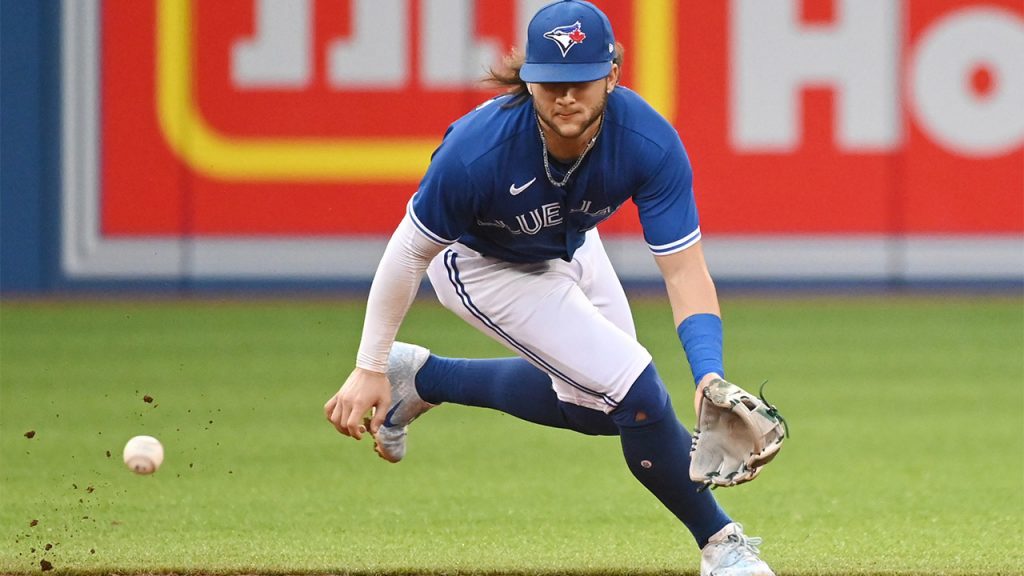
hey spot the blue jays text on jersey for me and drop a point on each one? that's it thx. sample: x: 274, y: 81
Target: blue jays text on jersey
x: 486, y: 186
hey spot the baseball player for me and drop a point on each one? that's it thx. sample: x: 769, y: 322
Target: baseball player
x: 504, y: 224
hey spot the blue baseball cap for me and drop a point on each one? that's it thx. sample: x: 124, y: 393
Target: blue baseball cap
x: 568, y: 41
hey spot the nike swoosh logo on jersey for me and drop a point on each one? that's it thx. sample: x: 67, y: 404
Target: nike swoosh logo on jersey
x: 515, y: 190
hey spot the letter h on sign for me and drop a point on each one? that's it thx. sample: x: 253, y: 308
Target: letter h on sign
x: 859, y: 55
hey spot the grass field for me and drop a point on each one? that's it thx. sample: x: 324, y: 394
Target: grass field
x: 906, y: 455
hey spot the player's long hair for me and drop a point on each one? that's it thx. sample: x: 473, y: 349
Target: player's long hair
x: 506, y: 76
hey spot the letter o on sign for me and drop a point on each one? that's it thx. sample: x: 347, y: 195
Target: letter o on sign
x: 952, y: 109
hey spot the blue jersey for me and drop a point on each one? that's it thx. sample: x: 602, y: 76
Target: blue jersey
x: 486, y: 186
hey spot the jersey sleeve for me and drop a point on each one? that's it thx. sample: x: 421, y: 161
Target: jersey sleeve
x: 668, y: 211
x: 444, y: 205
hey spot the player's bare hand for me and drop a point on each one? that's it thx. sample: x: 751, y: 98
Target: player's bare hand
x: 363, y: 390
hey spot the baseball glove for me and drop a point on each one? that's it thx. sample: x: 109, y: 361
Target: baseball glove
x: 737, y: 434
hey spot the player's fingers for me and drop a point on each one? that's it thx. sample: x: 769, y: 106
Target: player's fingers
x: 364, y: 425
x: 353, y: 422
x: 339, y: 416
x: 329, y: 406
x: 380, y: 413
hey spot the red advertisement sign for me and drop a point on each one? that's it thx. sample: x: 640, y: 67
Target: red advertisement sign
x: 316, y: 118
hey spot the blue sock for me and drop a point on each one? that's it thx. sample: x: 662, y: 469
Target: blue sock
x: 510, y: 385
x: 657, y: 451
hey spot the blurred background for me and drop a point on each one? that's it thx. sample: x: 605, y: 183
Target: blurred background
x: 181, y: 146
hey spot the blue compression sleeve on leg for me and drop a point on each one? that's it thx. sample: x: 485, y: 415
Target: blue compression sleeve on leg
x: 510, y: 385
x: 657, y: 451
x: 701, y: 335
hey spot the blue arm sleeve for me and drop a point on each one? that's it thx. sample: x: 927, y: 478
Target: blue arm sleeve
x: 701, y: 335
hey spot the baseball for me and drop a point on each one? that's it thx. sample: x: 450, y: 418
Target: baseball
x: 143, y: 454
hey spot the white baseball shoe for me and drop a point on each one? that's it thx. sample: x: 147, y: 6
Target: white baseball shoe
x: 406, y: 405
x: 732, y: 553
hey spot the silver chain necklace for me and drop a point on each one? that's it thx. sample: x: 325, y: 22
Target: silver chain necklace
x: 568, y: 174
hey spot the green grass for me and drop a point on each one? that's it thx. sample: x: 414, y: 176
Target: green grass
x: 907, y: 454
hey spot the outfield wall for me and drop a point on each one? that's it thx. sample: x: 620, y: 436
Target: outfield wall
x: 178, y: 144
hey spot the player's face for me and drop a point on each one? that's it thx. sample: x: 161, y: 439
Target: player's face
x: 570, y: 110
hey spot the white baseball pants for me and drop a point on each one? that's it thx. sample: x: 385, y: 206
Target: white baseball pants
x: 570, y: 319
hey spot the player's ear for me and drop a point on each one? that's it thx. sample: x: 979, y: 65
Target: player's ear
x: 612, y: 80
x: 529, y: 88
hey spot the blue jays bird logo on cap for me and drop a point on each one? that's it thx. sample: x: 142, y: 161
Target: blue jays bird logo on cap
x: 591, y: 53
x: 566, y: 36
